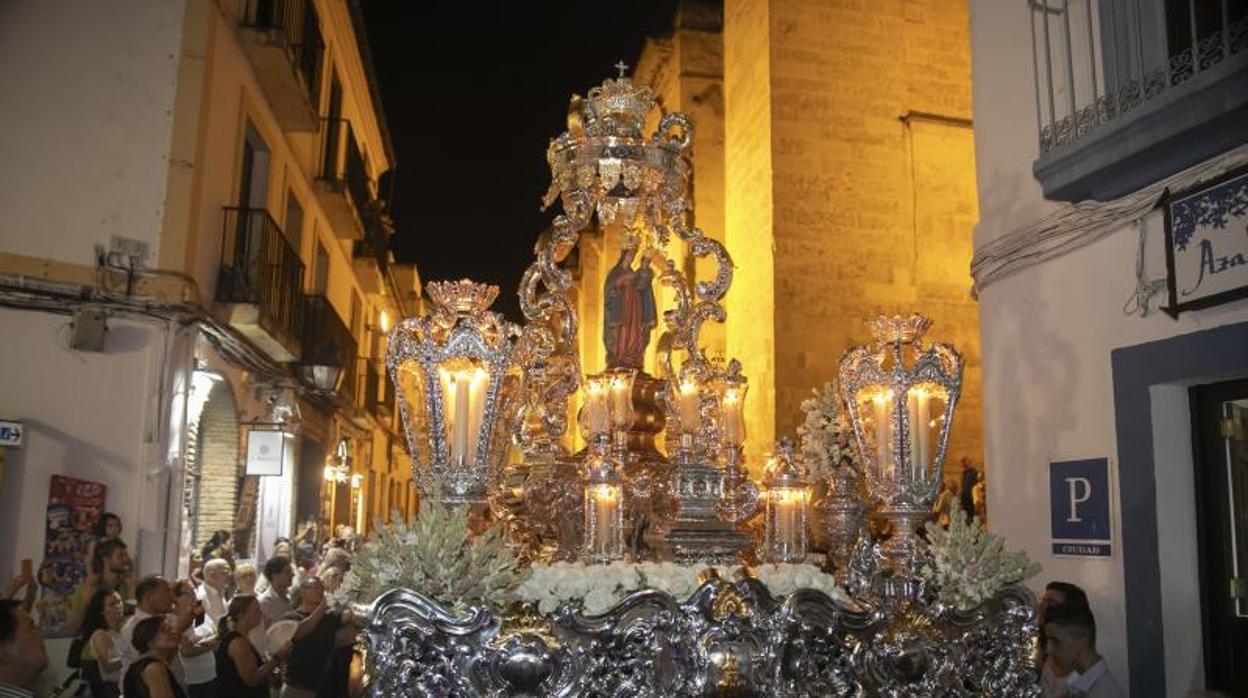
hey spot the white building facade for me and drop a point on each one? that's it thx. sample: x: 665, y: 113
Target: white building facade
x: 1075, y: 153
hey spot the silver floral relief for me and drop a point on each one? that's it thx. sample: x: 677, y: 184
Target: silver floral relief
x: 726, y: 639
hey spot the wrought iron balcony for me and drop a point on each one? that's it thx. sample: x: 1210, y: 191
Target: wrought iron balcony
x: 343, y: 183
x: 1130, y: 91
x: 282, y: 38
x: 329, y: 349
x: 260, y: 282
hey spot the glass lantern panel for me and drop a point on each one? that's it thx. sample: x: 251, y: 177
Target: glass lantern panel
x: 464, y: 383
x: 925, y: 407
x: 412, y: 390
x: 875, y: 411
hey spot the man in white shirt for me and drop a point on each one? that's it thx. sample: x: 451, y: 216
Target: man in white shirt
x: 23, y: 656
x: 1070, y: 637
x: 154, y: 597
x: 275, y: 601
x: 212, y: 592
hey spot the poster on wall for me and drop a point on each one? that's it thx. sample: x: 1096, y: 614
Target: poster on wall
x: 1207, y: 243
x: 73, y: 508
x: 1079, y: 507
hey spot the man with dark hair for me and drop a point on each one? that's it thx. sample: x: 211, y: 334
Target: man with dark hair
x: 23, y: 656
x: 154, y: 597
x: 1056, y: 593
x: 275, y: 601
x: 1060, y: 594
x: 1070, y: 638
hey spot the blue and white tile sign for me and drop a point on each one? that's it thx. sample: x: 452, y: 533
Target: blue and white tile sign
x: 1207, y: 244
x: 1079, y: 507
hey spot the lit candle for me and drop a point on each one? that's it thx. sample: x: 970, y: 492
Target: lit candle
x: 918, y: 406
x: 883, y: 403
x: 461, y: 423
x: 606, y: 503
x: 734, y: 424
x: 621, y: 400
x: 478, y: 382
x: 787, y: 502
x: 688, y: 407
x: 596, y: 415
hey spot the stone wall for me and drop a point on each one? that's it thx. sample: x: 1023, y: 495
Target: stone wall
x: 861, y: 110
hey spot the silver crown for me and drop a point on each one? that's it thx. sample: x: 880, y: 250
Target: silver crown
x: 620, y: 106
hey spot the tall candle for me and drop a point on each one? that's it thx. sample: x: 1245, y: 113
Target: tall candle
x: 460, y: 425
x: 606, y: 502
x: 883, y: 404
x: 919, y: 406
x: 478, y: 382
x: 621, y: 401
x: 688, y: 406
x: 734, y: 424
x: 596, y: 416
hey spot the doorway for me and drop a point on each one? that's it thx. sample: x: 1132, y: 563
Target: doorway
x: 1220, y: 430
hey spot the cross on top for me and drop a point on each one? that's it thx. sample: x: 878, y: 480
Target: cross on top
x: 622, y: 67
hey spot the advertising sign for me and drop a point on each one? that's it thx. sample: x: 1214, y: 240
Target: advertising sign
x: 73, y: 508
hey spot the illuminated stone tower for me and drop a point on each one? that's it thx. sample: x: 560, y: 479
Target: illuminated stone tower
x: 850, y: 190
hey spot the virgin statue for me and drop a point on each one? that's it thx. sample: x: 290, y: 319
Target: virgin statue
x: 629, y: 312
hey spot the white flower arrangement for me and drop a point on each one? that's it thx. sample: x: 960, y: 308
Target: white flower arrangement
x: 437, y: 555
x: 826, y: 436
x: 599, y: 587
x: 969, y: 565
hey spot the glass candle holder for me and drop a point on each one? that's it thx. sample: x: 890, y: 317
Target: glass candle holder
x: 604, y: 510
x: 786, y: 507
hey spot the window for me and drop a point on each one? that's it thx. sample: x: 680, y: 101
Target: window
x: 294, y: 221
x: 320, y: 270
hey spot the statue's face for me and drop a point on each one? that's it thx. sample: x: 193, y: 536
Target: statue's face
x: 628, y: 254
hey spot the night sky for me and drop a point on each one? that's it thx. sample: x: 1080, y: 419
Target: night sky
x: 473, y: 93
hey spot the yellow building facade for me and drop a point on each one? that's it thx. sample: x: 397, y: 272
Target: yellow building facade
x: 230, y: 229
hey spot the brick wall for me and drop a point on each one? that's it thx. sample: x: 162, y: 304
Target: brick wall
x: 217, y: 450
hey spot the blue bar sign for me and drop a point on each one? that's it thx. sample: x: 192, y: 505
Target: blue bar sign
x: 1079, y: 507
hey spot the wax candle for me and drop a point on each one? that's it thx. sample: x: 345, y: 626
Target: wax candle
x: 734, y: 424
x: 688, y: 407
x: 883, y: 404
x: 596, y: 415
x: 918, y: 407
x: 478, y: 384
x: 621, y: 400
x: 607, y: 540
x: 461, y: 423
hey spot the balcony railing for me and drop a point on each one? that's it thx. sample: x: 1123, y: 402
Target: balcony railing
x: 1154, y: 67
x: 260, y: 268
x: 328, y: 347
x: 295, y: 25
x: 342, y: 171
x: 283, y: 40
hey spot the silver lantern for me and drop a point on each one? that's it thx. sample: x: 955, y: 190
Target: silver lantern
x: 901, y: 396
x: 453, y: 373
